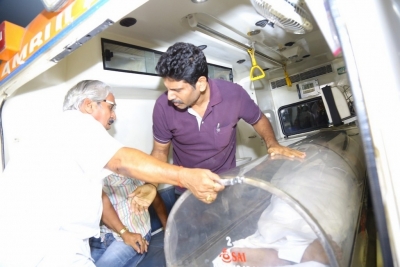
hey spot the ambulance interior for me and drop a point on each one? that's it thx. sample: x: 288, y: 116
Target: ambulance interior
x: 120, y: 42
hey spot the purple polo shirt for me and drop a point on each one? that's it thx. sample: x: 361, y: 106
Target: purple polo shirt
x: 213, y: 146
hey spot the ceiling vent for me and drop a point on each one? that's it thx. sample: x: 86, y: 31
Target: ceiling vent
x: 302, y: 76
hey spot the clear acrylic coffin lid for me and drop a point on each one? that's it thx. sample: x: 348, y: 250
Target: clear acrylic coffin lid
x: 280, y: 207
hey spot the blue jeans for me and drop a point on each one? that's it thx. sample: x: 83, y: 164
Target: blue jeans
x: 155, y: 256
x: 113, y: 253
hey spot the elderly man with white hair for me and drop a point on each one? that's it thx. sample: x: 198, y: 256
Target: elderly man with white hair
x: 51, y: 200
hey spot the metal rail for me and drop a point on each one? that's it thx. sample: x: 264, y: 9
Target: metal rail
x: 233, y: 42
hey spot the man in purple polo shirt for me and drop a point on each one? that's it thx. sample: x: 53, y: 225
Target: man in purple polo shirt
x: 199, y: 115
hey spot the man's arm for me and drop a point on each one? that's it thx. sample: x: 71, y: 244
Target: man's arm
x: 264, y: 129
x: 161, y: 210
x: 111, y: 220
x: 160, y: 151
x: 131, y: 162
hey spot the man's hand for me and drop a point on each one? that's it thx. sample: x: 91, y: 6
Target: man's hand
x: 142, y: 198
x: 285, y: 151
x: 202, y: 183
x: 136, y: 241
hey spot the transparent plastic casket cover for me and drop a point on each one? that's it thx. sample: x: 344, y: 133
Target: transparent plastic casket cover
x: 282, y: 211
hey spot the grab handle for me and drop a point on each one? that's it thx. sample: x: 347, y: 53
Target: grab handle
x: 254, y: 67
x: 287, y: 78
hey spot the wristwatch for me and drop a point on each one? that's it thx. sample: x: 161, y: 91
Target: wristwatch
x: 123, y: 230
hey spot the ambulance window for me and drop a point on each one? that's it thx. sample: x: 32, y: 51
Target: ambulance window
x: 124, y: 57
x: 304, y: 116
x: 118, y: 56
x: 219, y: 72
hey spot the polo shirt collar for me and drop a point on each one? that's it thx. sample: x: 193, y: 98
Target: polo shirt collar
x: 215, y: 94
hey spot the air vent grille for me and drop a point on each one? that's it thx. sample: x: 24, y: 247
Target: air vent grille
x: 303, y: 76
x: 295, y: 78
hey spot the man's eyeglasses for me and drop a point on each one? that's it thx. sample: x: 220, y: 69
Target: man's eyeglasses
x: 113, y: 106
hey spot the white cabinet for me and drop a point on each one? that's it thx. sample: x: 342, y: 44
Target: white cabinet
x: 249, y: 143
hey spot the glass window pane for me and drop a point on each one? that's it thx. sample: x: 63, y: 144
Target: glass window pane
x: 129, y: 58
x: 218, y: 72
x: 124, y: 57
x: 303, y: 116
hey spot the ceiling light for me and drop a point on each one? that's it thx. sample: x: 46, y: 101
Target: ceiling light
x: 53, y: 5
x: 199, y: 1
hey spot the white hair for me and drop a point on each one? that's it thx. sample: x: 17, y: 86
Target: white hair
x: 91, y: 89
